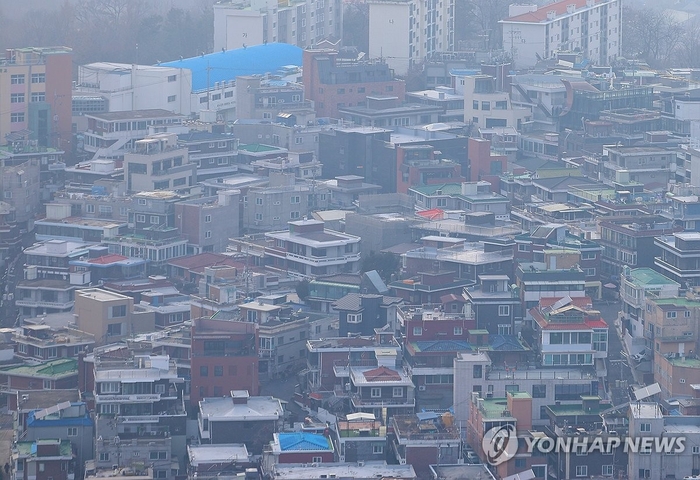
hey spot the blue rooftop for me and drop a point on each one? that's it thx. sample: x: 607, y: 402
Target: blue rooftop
x: 226, y: 66
x: 304, y: 441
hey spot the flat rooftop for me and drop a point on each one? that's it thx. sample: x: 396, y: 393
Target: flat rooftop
x: 100, y: 295
x: 135, y: 114
x: 256, y: 408
x: 225, y: 453
x: 370, y: 470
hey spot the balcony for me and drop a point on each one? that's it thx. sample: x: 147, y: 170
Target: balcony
x: 28, y: 302
x: 323, y: 261
x: 137, y: 398
x: 359, y: 402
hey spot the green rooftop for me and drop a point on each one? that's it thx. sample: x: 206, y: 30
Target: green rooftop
x: 647, y: 276
x: 520, y: 395
x: 685, y: 362
x: 679, y: 302
x: 446, y: 188
x: 54, y: 369
x: 494, y: 408
x: 257, y: 148
x: 28, y: 449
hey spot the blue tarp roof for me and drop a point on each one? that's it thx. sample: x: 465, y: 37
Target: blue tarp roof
x: 303, y: 441
x: 226, y: 66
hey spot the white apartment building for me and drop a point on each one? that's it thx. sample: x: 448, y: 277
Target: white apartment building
x: 243, y: 23
x: 486, y: 106
x: 407, y: 32
x: 594, y: 27
x: 158, y: 163
x: 137, y: 87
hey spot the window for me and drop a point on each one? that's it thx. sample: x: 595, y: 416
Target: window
x: 486, y: 105
x: 512, y: 388
x: 207, y: 218
x: 159, y: 388
x: 354, y: 318
x: 171, y: 98
x: 172, y: 78
x: 216, y: 96
x: 475, y: 105
x: 207, y: 234
x: 522, y: 247
x: 417, y: 331
x: 258, y: 201
x: 375, y: 392
x: 16, y: 98
x: 341, y: 91
x: 155, y: 220
x: 106, y: 209
x: 397, y: 392
x: 607, y: 470
x: 295, y: 199
x: 298, y: 140
x: 17, y: 79
x: 581, y: 470
x: 109, y: 387
x: 520, y: 463
x: 477, y: 371
x: 51, y: 352
x: 218, y: 371
x: 118, y: 311
x: 686, y: 314
x: 671, y: 314
x: 17, y: 117
x: 72, y: 431
x: 644, y: 473
x: 377, y: 449
x: 89, y: 208
x: 317, y: 459
x: 37, y: 78
x: 645, y: 427
x: 47, y: 385
x: 158, y: 455
x: 140, y: 218
x: 696, y: 450
x: 458, y: 330
x: 104, y: 457
x: 203, y: 371
x: 590, y: 272
x: 258, y: 216
x: 539, y: 391
x: 504, y: 310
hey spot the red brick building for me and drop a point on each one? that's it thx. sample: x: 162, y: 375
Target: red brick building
x: 224, y: 358
x: 43, y: 460
x: 484, y: 165
x: 335, y: 79
x: 417, y: 166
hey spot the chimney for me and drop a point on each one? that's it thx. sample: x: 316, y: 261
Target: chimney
x: 240, y: 397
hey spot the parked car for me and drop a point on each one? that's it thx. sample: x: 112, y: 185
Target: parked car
x: 643, y: 355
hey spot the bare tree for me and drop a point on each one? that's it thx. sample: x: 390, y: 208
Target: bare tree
x: 652, y: 35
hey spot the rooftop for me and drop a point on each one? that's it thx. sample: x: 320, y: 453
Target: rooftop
x: 256, y: 408
x: 29, y: 449
x: 425, y: 426
x: 646, y: 276
x: 64, y: 367
x: 370, y: 470
x: 302, y: 441
x: 134, y: 114
x: 209, y: 69
x: 208, y: 454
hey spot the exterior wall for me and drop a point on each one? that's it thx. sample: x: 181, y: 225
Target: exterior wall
x: 255, y: 434
x: 20, y: 186
x: 567, y: 32
x: 208, y: 226
x: 306, y: 457
x: 94, y: 315
x: 182, y: 176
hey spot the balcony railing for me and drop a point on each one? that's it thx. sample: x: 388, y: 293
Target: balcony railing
x: 358, y: 401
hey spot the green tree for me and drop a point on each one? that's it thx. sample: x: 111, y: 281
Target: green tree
x: 303, y: 290
x: 384, y: 263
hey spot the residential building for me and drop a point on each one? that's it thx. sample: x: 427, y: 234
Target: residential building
x: 389, y: 111
x: 274, y: 100
x: 359, y: 437
x: 112, y: 134
x: 635, y: 285
x: 224, y: 358
x: 139, y: 400
x: 43, y: 459
x: 21, y: 190
x: 487, y: 105
x: 60, y: 224
x: 270, y: 207
x: 298, y: 447
x: 361, y: 313
x: 239, y: 418
x: 451, y: 103
x: 48, y: 285
x: 647, y: 420
x: 494, y: 304
x: 42, y: 342
x: 679, y: 257
x: 650, y: 166
x: 346, y: 189
x: 671, y: 333
x: 213, y: 153
x: 126, y: 87
x: 468, y: 197
x: 110, y: 316
x: 630, y: 241
x: 540, y: 280
x: 36, y: 95
x: 330, y: 358
x: 427, y: 288
x: 208, y: 222
x: 484, y: 162
x: 239, y: 24
x: 209, y: 461
x: 333, y: 79
x: 424, y: 439
x: 407, y: 33
x: 533, y: 33
x: 378, y: 389
x: 476, y: 372
x: 569, y: 332
x: 57, y: 374
x: 307, y: 249
x: 419, y: 167
x: 157, y: 163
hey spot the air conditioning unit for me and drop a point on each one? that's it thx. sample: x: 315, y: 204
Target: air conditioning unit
x: 421, y: 388
x: 278, y: 203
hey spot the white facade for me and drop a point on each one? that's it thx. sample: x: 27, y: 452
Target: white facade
x: 240, y: 24
x: 484, y: 106
x: 138, y: 87
x: 405, y: 33
x: 593, y: 27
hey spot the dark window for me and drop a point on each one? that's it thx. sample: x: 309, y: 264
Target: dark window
x: 218, y: 371
x: 477, y: 371
x: 203, y: 371
x: 539, y: 391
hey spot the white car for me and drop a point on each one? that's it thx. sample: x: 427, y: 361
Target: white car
x: 643, y: 355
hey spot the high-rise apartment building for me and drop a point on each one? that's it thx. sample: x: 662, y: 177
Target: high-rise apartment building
x: 35, y: 94
x: 593, y: 27
x: 407, y: 32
